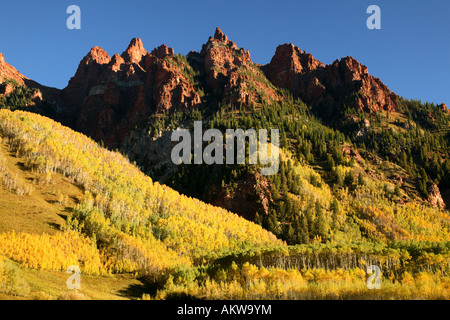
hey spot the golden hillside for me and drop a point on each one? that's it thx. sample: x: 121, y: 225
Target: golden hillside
x: 121, y: 220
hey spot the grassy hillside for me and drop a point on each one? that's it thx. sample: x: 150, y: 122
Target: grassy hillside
x: 28, y: 201
x: 118, y: 220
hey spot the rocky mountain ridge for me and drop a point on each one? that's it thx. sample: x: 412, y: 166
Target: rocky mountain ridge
x: 114, y: 99
x: 108, y: 96
x: 330, y: 87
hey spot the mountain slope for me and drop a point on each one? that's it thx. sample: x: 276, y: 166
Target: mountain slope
x: 359, y: 183
x: 11, y: 78
x: 134, y: 221
x: 343, y: 129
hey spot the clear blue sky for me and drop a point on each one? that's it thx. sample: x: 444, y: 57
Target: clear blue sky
x: 410, y: 54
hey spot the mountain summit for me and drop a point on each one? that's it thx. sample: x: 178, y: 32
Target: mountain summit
x: 7, y: 71
x: 344, y: 82
x: 144, y: 83
x: 135, y: 51
x: 108, y: 96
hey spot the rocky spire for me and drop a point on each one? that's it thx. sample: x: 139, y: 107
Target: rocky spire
x: 135, y: 51
x: 162, y: 51
x: 116, y: 62
x: 219, y: 35
x: 98, y: 55
x: 290, y: 58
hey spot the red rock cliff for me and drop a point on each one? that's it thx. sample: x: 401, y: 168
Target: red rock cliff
x: 345, y: 81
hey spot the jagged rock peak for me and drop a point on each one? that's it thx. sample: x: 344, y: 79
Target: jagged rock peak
x: 321, y: 86
x: 116, y: 62
x: 290, y: 47
x: 135, y: 51
x: 98, y: 55
x: 289, y: 56
x: 219, y: 35
x: 2, y: 58
x: 219, y: 38
x: 352, y: 65
x: 162, y: 51
x: 136, y: 43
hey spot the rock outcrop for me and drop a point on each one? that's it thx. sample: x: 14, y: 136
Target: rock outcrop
x: 230, y: 73
x: 110, y: 96
x: 345, y: 82
x: 135, y: 52
x: 7, y: 71
x: 289, y: 66
x: 435, y: 197
x: 252, y: 195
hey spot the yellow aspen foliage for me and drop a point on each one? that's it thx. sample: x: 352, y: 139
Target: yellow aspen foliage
x: 122, y: 201
x: 52, y: 252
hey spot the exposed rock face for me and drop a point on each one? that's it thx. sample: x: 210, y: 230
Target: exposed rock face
x: 110, y: 96
x: 162, y: 51
x: 6, y: 89
x: 435, y: 198
x: 9, y: 72
x: 88, y: 72
x: 37, y: 96
x: 231, y: 74
x: 288, y: 67
x: 444, y: 107
x: 252, y: 195
x: 134, y: 52
x: 344, y: 82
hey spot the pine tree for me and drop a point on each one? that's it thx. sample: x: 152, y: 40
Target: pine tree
x: 321, y: 224
x: 334, y: 208
x: 304, y: 230
x: 330, y: 162
x: 349, y: 179
x: 258, y: 219
x: 361, y: 181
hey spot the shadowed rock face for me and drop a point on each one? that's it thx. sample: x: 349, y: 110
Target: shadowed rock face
x: 344, y: 82
x: 230, y: 73
x: 252, y: 195
x: 108, y: 97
